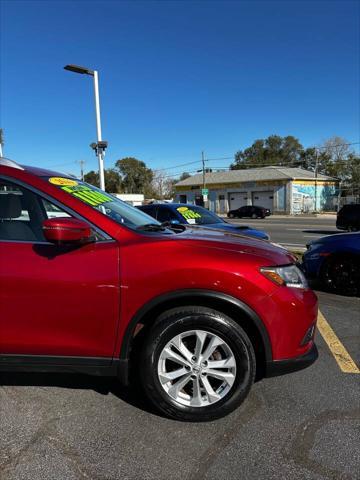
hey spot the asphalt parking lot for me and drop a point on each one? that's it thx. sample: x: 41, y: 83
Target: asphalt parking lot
x: 292, y: 231
x: 304, y: 425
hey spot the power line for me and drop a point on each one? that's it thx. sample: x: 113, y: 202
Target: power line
x: 178, y: 166
x: 336, y: 146
x: 62, y: 164
x: 298, y: 163
x: 232, y: 157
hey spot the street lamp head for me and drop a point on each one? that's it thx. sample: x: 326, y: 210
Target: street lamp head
x: 78, y: 69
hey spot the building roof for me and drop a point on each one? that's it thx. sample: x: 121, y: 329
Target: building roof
x: 252, y: 175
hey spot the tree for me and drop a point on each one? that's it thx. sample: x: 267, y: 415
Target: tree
x: 162, y: 185
x: 339, y: 158
x: 312, y: 158
x: 274, y: 150
x: 184, y: 176
x: 113, y: 182
x: 354, y: 174
x: 136, y: 177
x: 337, y: 148
x: 335, y: 159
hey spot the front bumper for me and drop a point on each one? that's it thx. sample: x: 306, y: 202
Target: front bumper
x: 282, y: 367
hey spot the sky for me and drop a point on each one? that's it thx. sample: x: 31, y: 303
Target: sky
x: 176, y: 78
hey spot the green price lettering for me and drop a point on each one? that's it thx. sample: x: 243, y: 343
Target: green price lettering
x: 87, y: 195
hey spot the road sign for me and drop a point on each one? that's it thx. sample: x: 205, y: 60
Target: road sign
x: 204, y: 191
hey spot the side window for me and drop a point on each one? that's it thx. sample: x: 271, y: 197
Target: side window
x: 150, y: 210
x: 52, y: 211
x: 22, y: 213
x: 165, y: 215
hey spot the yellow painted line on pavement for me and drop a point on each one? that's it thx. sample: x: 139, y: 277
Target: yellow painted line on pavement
x: 341, y: 355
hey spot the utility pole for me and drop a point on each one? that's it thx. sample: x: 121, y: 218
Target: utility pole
x: 82, y: 163
x: 204, y: 191
x: 203, y: 167
x: 339, y: 196
x: 316, y: 176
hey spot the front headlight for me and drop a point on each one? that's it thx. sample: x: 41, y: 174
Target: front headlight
x: 289, y: 276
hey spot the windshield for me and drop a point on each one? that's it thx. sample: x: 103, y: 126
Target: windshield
x: 105, y: 203
x: 195, y: 215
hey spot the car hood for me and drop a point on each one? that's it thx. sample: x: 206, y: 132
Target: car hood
x: 348, y: 238
x: 237, y: 243
x: 237, y: 229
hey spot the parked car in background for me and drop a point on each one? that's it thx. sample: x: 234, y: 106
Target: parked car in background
x: 251, y: 211
x: 335, y: 261
x: 348, y: 217
x: 185, y: 214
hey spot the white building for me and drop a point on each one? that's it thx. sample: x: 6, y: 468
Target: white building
x: 131, y: 198
x: 281, y: 189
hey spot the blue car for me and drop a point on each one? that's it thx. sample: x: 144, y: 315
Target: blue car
x: 335, y: 261
x: 184, y: 214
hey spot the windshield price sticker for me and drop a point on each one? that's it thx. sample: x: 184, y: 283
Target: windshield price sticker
x: 82, y: 192
x: 188, y: 214
x: 63, y: 181
x: 87, y: 195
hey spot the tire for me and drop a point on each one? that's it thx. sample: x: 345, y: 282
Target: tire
x: 352, y: 228
x: 231, y: 215
x: 341, y: 274
x: 197, y: 392
x: 254, y: 215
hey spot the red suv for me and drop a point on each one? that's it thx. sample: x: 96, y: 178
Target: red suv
x: 90, y: 284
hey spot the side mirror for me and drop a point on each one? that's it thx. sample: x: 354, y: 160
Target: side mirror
x: 67, y: 231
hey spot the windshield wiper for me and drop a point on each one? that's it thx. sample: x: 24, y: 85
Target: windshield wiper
x: 176, y: 227
x: 151, y: 227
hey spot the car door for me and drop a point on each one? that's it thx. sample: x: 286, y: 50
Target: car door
x: 245, y: 211
x: 54, y: 301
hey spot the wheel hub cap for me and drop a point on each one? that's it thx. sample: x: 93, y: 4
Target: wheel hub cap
x: 197, y: 368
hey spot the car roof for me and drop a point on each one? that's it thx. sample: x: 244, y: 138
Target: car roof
x: 254, y: 206
x: 171, y: 205
x: 39, y: 172
x: 349, y: 206
x: 351, y: 237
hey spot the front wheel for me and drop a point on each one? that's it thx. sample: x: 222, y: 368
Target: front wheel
x: 254, y: 215
x: 197, y: 364
x: 341, y: 274
x: 231, y: 215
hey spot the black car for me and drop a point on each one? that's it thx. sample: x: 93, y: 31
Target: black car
x: 348, y: 217
x: 185, y: 214
x: 335, y: 261
x: 251, y: 211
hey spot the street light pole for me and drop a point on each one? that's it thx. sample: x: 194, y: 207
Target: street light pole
x: 101, y: 145
x: 100, y: 151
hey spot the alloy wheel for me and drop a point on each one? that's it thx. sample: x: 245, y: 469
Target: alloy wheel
x: 197, y: 368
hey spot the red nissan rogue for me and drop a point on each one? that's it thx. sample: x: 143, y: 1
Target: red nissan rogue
x: 90, y: 284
